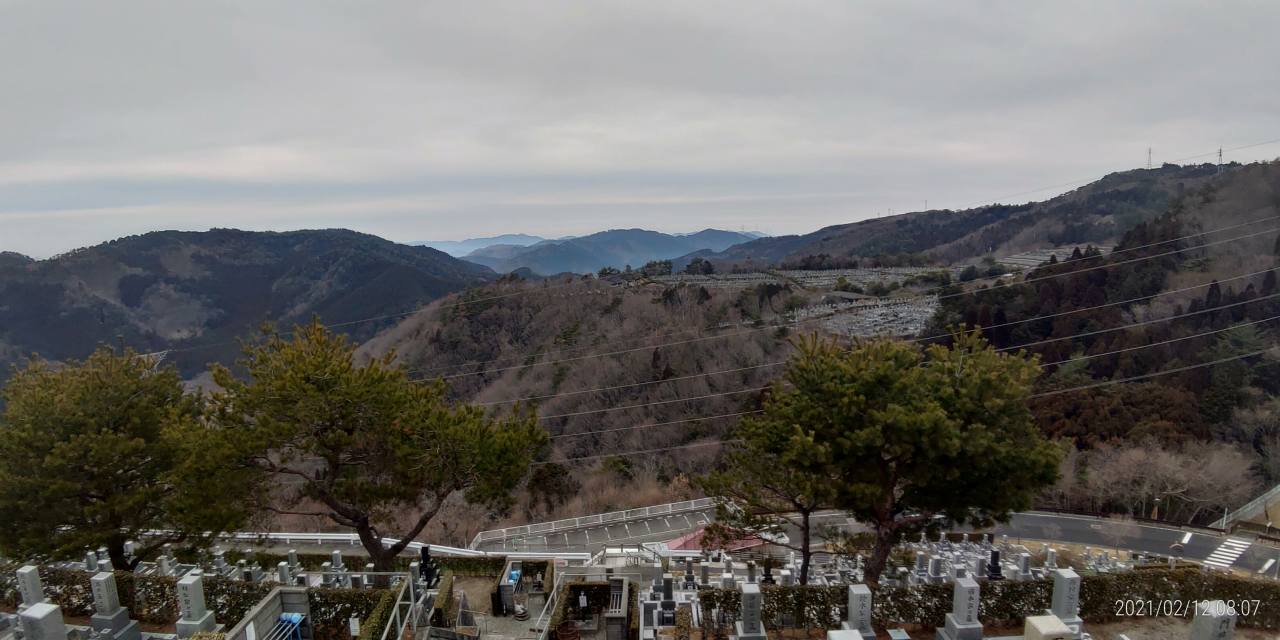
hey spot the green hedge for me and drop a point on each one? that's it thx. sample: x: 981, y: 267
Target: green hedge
x: 684, y: 624
x: 373, y: 623
x: 1004, y: 602
x: 151, y: 599
x: 443, y: 613
x: 332, y: 609
x: 633, y: 614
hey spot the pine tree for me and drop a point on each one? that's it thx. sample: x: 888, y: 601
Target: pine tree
x: 97, y: 452
x: 362, y: 445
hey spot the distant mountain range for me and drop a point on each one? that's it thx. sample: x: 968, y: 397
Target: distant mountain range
x: 173, y: 289
x: 186, y: 291
x: 614, y: 248
x: 1099, y: 212
x: 459, y: 248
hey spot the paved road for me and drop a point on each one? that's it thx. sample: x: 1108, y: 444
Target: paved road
x: 1083, y: 530
x: 1236, y: 552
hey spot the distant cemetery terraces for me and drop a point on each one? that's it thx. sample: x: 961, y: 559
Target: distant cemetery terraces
x: 815, y: 279
x: 1034, y: 258
x: 857, y: 300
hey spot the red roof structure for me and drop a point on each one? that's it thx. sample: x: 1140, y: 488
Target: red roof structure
x: 692, y: 541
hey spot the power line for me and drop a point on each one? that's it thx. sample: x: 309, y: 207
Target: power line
x: 1146, y: 376
x: 641, y: 452
x: 553, y: 352
x: 1113, y: 253
x: 920, y: 339
x: 1042, y: 365
x: 633, y: 384
x: 1110, y: 264
x: 1220, y: 150
x: 657, y: 424
x: 1110, y: 304
x: 1094, y: 178
x: 1138, y: 324
x: 650, y: 404
x: 1161, y: 343
x: 902, y: 300
x: 572, y: 282
x: 1032, y: 397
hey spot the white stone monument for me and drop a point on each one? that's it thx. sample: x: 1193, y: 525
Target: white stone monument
x: 107, y: 612
x: 1066, y: 601
x: 1214, y: 621
x: 859, y: 616
x: 42, y: 621
x: 1047, y: 627
x: 29, y: 587
x: 194, y: 617
x: 962, y: 623
x: 750, y: 627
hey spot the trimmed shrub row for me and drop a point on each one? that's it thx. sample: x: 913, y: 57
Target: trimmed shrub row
x: 1004, y: 602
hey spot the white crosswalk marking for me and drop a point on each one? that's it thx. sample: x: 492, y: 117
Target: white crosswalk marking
x: 1227, y: 553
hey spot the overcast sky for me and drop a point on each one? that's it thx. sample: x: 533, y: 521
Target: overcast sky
x: 422, y: 120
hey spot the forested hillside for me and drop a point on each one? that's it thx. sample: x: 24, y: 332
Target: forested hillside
x: 173, y: 290
x: 1191, y: 284
x: 1098, y: 212
x: 1164, y: 300
x: 556, y: 342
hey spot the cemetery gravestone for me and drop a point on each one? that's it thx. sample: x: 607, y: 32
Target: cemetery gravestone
x: 1024, y: 566
x: 1066, y: 600
x: 994, y: 572
x: 29, y: 587
x: 1214, y: 621
x: 42, y: 621
x: 750, y: 627
x: 194, y: 617
x: 108, y: 614
x: 962, y: 623
x: 859, y: 615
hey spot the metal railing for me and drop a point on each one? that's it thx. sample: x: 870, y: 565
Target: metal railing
x: 1256, y: 504
x: 321, y: 539
x: 613, y: 517
x: 402, y: 612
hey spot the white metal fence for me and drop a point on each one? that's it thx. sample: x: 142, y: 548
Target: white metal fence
x: 1250, y: 508
x: 581, y: 522
x: 351, y: 539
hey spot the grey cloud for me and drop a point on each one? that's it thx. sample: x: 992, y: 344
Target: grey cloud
x: 442, y: 120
